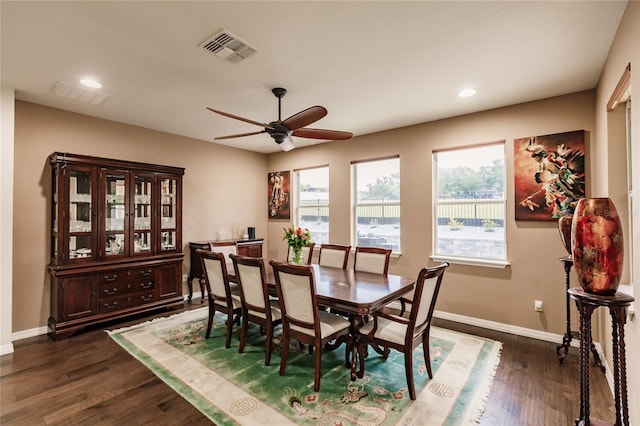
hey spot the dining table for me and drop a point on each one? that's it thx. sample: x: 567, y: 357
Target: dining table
x: 357, y: 294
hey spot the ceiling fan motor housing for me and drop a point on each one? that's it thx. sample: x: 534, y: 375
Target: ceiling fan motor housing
x: 279, y: 132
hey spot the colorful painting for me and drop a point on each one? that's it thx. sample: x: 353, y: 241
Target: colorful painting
x: 549, y: 175
x: 278, y: 195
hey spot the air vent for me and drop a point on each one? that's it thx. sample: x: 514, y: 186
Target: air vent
x: 79, y: 93
x: 228, y: 47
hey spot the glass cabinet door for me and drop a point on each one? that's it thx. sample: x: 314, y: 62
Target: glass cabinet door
x: 115, y: 209
x: 142, y: 207
x: 168, y: 212
x: 80, y: 214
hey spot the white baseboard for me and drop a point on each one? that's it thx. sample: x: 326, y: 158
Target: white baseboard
x: 505, y: 328
x: 6, y: 349
x: 32, y: 332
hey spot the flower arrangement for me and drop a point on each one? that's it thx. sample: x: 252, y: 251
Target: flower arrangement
x: 296, y: 239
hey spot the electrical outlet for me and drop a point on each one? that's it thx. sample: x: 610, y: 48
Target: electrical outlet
x: 184, y: 278
x: 537, y: 306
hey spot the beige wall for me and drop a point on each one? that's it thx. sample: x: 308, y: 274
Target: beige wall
x: 624, y: 50
x: 500, y: 295
x: 221, y: 187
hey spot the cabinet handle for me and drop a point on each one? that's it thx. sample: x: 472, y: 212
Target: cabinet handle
x: 110, y: 278
x: 110, y: 293
x: 146, y: 285
x: 106, y: 305
x: 146, y: 299
x: 146, y: 273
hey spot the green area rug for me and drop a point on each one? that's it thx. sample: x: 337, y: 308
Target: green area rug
x: 238, y: 389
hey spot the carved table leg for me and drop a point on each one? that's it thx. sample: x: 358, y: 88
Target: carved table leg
x: 585, y: 345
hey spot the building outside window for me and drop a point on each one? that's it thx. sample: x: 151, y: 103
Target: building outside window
x: 376, y: 195
x: 470, y: 204
x: 312, y: 210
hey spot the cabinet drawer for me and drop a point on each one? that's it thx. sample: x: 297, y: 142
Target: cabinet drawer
x: 119, y: 288
x: 125, y: 301
x: 119, y: 275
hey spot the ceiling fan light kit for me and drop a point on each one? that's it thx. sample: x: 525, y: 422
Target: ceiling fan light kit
x: 282, y: 130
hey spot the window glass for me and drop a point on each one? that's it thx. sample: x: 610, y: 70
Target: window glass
x: 469, y: 206
x: 377, y: 203
x: 313, y: 202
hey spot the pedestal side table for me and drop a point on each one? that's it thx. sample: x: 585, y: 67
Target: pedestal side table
x: 618, y: 305
x: 562, y: 350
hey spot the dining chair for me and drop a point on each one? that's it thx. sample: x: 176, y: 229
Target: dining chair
x: 307, y: 253
x: 334, y: 255
x: 256, y: 305
x: 214, y: 271
x: 405, y: 334
x: 301, y: 318
x: 227, y: 248
x: 372, y: 259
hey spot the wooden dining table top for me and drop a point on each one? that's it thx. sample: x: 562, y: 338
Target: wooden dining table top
x: 351, y: 291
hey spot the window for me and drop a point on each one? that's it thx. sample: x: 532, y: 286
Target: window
x: 313, y: 202
x: 470, y: 205
x: 376, y: 189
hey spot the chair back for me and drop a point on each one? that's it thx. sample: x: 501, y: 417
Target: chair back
x: 424, y: 298
x: 372, y: 259
x: 334, y: 255
x: 226, y: 247
x: 214, y: 268
x: 296, y: 289
x: 307, y: 253
x: 252, y: 282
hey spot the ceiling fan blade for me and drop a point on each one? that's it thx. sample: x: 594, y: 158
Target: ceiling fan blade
x: 239, y: 135
x: 334, y: 135
x: 306, y: 117
x: 246, y: 120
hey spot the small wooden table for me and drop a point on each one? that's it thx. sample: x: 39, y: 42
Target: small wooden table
x: 618, y: 305
x: 354, y: 292
x: 562, y: 350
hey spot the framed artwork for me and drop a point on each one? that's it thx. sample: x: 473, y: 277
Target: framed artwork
x: 278, y: 184
x: 549, y: 175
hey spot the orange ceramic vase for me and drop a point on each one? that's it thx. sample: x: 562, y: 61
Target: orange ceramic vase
x: 597, y: 245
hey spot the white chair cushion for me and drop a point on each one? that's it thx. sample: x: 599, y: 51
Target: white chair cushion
x: 388, y: 330
x: 329, y: 324
x: 276, y: 313
x: 235, y: 301
x: 370, y: 262
x: 331, y: 257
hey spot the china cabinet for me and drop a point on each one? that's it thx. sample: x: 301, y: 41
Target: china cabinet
x: 116, y: 246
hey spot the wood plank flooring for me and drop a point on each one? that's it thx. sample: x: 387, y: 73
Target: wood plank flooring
x: 89, y: 380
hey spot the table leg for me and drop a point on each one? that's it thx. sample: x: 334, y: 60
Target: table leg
x: 563, y: 349
x: 585, y: 345
x: 618, y: 319
x: 357, y: 349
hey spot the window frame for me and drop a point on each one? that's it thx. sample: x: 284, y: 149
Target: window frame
x: 436, y: 202
x: 298, y: 203
x: 355, y: 204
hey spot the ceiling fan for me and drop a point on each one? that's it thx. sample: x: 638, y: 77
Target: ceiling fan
x: 282, y: 130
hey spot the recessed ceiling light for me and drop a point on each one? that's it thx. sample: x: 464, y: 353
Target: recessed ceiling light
x: 465, y: 93
x: 91, y: 83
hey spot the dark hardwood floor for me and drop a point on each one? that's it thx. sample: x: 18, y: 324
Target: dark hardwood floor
x: 89, y: 380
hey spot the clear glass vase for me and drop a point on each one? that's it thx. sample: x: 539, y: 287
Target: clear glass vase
x: 297, y: 255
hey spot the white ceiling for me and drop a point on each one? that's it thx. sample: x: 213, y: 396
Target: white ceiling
x: 374, y: 65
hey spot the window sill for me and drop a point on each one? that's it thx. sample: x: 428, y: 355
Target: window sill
x: 500, y: 264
